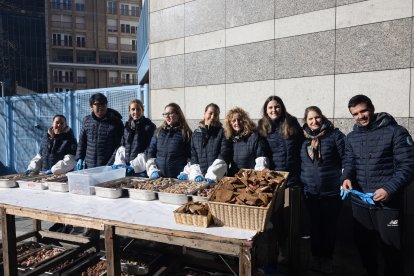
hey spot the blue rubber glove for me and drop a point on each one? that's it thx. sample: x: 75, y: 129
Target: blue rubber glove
x: 199, y: 178
x: 182, y: 176
x: 114, y: 167
x: 130, y: 169
x: 80, y: 165
x: 209, y: 181
x: 155, y: 175
x: 28, y: 172
x: 344, y: 194
x: 367, y: 198
x: 48, y: 171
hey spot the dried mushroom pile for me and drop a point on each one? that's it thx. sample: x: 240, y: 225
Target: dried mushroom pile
x: 96, y: 269
x: 207, y: 191
x: 194, y: 208
x: 16, y: 176
x: 183, y: 187
x: 39, y: 256
x: 249, y: 187
x: 52, y: 178
x: 150, y: 184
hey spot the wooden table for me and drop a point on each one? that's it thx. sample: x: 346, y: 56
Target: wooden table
x: 113, y: 216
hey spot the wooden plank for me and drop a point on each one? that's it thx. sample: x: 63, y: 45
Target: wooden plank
x: 36, y: 226
x: 208, y: 245
x: 57, y: 217
x: 112, y: 251
x: 64, y: 236
x: 26, y: 236
x: 245, y: 261
x: 8, y: 230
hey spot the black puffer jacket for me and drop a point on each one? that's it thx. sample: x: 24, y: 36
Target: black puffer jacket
x: 322, y: 176
x: 170, y: 150
x: 209, y: 144
x: 284, y: 154
x: 99, y: 138
x: 54, y: 147
x: 380, y: 155
x: 245, y: 151
x: 137, y: 137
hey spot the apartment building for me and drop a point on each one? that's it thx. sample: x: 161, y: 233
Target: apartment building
x: 91, y: 43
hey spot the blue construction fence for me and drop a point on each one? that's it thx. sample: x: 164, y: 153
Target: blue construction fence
x: 24, y: 120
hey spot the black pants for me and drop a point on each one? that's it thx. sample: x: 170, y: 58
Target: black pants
x: 378, y: 229
x: 324, y: 213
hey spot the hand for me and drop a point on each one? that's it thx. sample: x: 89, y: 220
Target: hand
x: 182, y: 176
x: 366, y: 198
x: 80, y: 165
x: 27, y: 172
x: 347, y: 185
x: 343, y: 193
x: 199, y: 178
x: 48, y: 171
x: 380, y: 195
x: 155, y: 175
x: 130, y: 169
x: 209, y: 181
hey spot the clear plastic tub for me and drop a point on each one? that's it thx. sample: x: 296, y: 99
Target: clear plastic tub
x: 83, y: 181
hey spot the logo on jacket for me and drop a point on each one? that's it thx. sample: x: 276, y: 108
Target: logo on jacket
x: 410, y: 141
x: 393, y: 223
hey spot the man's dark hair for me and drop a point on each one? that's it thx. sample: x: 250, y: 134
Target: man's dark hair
x: 98, y: 98
x: 358, y: 99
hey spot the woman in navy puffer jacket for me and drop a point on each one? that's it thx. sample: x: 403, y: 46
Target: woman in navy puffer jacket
x: 210, y: 150
x: 321, y: 154
x: 248, y: 147
x: 169, y: 150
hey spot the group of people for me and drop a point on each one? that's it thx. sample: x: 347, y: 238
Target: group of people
x: 372, y: 164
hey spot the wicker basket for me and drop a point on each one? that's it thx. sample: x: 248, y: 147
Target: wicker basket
x: 195, y: 220
x: 245, y: 217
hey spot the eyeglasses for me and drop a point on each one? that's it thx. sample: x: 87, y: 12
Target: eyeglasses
x: 168, y: 114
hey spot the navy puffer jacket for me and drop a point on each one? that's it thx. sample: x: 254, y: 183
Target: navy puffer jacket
x: 170, y: 150
x: 99, y: 139
x: 54, y: 147
x: 137, y: 137
x: 284, y: 154
x: 322, y: 176
x: 209, y: 144
x: 380, y: 155
x: 245, y: 151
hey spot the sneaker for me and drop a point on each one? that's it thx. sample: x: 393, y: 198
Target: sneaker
x: 326, y: 266
x: 315, y: 264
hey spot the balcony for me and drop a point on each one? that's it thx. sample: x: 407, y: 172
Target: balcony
x: 81, y: 80
x: 112, y: 46
x: 63, y: 59
x: 122, y: 81
x: 60, y: 24
x: 80, y: 26
x: 128, y: 47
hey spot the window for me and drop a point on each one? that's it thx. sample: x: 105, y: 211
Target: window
x: 111, y: 7
x: 56, y: 39
x: 129, y: 59
x: 81, y: 76
x: 127, y: 28
x: 67, y: 40
x: 134, y: 44
x: 129, y: 78
x: 62, y: 76
x: 124, y: 9
x: 67, y: 4
x: 80, y: 41
x: 80, y: 5
x: 135, y: 11
x: 112, y: 26
x: 55, y: 4
x: 80, y: 22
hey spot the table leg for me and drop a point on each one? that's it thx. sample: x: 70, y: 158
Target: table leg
x: 112, y: 251
x: 245, y: 261
x: 36, y: 226
x: 8, y: 230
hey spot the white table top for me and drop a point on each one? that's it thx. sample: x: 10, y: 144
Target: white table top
x: 145, y: 213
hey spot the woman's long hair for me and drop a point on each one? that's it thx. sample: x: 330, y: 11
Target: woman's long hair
x: 248, y: 125
x: 288, y: 123
x: 182, y: 122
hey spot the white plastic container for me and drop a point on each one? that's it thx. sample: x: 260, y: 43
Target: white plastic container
x: 82, y: 182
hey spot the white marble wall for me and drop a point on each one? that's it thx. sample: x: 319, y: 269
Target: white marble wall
x: 309, y: 52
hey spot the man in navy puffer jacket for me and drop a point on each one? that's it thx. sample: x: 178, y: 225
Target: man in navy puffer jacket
x: 379, y: 159
x: 100, y: 135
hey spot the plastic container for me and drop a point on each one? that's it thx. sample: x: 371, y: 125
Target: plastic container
x: 82, y: 182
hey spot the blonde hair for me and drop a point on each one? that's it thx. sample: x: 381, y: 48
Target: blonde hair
x: 182, y: 122
x: 248, y: 125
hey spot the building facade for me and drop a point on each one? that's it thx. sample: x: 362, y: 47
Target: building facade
x: 22, y: 46
x: 91, y: 43
x: 308, y: 52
